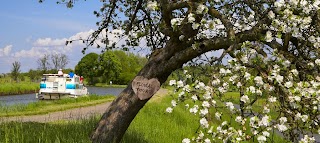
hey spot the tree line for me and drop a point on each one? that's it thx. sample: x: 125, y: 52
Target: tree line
x: 117, y: 67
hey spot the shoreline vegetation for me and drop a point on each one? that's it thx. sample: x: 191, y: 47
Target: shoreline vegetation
x: 18, y: 88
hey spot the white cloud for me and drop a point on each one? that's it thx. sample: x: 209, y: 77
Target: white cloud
x: 46, y: 42
x: 5, y: 51
x: 50, y: 45
x: 33, y: 52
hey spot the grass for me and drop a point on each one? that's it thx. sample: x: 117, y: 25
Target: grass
x: 10, y: 87
x: 151, y: 125
x: 18, y: 88
x: 46, y: 106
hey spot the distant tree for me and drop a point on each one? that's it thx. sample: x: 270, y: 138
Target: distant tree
x: 130, y: 64
x: 33, y: 74
x: 87, y: 67
x: 43, y: 63
x: 15, y: 71
x: 109, y: 66
x: 59, y: 61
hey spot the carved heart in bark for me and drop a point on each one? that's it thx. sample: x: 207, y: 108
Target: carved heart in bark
x: 144, y: 88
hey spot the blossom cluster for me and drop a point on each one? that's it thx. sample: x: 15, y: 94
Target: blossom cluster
x: 278, y: 85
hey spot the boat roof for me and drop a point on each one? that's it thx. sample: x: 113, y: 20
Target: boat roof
x: 51, y: 74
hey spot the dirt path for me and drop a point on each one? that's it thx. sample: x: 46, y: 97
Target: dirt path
x: 72, y: 114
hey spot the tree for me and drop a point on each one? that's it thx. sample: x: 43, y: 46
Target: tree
x: 88, y: 66
x: 130, y: 65
x: 43, y: 63
x: 33, y: 74
x: 15, y: 71
x: 109, y: 66
x: 59, y: 61
x: 179, y: 31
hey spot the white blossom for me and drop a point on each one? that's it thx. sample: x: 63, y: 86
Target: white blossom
x: 238, y: 119
x: 286, y: 63
x: 207, y: 140
x: 281, y: 127
x: 258, y: 80
x: 181, y: 37
x: 217, y: 115
x: 173, y: 103
x: 180, y: 84
x: 194, y: 109
x: 279, y: 78
x: 244, y: 59
x: 272, y: 99
x: 266, y: 134
x: 261, y: 139
x: 215, y: 82
x: 307, y: 139
x: 201, y: 9
x: 169, y: 110
x: 152, y: 5
x: 244, y: 98
x: 204, y: 123
x: 268, y: 37
x: 230, y: 105
x: 204, y: 112
x: 172, y: 82
x: 186, y: 140
x: 304, y: 118
x: 283, y: 120
x: 271, y: 15
x: 194, y: 97
x: 288, y: 84
x: 191, y: 18
x: 206, y: 104
x: 247, y: 75
x: 264, y: 121
x: 317, y: 61
x: 295, y: 72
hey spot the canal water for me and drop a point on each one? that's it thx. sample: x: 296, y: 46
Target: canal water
x: 28, y: 98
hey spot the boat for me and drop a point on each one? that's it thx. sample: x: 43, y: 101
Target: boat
x: 57, y: 86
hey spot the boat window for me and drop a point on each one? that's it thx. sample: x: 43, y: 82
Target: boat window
x: 68, y: 79
x: 44, y: 78
x: 50, y: 79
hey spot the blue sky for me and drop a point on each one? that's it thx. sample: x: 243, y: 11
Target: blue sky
x: 29, y: 29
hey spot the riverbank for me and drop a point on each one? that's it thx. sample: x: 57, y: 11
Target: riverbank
x: 18, y: 88
x: 46, y: 107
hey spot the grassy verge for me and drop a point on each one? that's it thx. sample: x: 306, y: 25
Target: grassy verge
x: 151, y: 125
x: 46, y: 106
x: 18, y: 88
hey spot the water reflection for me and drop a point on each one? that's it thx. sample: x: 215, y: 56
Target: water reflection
x: 28, y: 98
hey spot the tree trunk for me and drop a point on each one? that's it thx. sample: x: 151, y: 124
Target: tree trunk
x: 122, y: 111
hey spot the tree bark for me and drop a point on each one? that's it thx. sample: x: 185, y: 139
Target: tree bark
x: 122, y: 111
